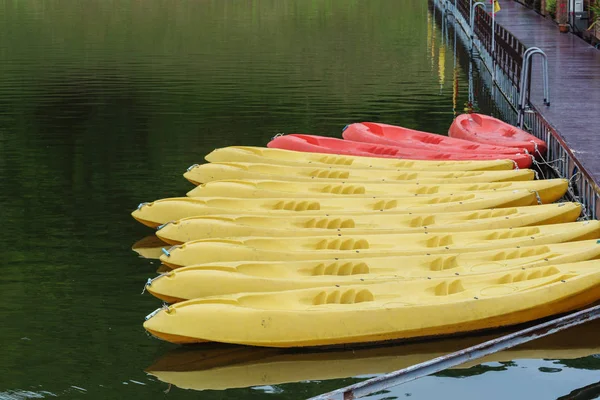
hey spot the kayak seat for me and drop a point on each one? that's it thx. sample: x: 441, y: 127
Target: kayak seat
x: 341, y: 269
x: 343, y: 297
x: 509, y: 132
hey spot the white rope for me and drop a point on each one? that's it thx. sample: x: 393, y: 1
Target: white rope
x: 576, y: 176
x: 584, y: 213
x: 150, y: 280
x: 537, y: 196
x: 158, y: 228
x: 540, y: 169
x: 148, y: 283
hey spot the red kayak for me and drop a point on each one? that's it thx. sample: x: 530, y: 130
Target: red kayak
x: 392, y: 135
x: 321, y: 144
x: 489, y: 130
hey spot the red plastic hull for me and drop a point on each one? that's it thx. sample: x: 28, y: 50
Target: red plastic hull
x: 392, y: 135
x: 321, y: 144
x: 484, y: 129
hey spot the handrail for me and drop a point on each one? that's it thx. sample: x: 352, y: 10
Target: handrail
x: 472, y: 21
x: 525, y: 81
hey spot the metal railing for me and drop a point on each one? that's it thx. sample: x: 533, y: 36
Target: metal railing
x: 525, y: 84
x: 562, y: 162
x: 504, y: 81
x: 508, y: 50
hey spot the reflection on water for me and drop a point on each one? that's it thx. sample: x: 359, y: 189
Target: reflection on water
x: 219, y: 367
x: 150, y: 247
x: 104, y: 103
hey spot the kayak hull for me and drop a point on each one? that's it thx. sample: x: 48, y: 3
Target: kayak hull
x: 220, y: 226
x: 549, y: 190
x: 484, y: 129
x: 391, y: 135
x: 204, y: 173
x: 321, y: 144
x: 359, y: 246
x: 263, y: 155
x: 380, y: 312
x: 224, y: 278
x: 171, y: 209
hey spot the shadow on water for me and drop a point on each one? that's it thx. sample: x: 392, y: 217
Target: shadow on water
x: 220, y: 366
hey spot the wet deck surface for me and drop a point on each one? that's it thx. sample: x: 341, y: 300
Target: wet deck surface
x: 574, y: 72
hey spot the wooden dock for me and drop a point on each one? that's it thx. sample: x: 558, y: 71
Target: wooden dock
x: 574, y: 81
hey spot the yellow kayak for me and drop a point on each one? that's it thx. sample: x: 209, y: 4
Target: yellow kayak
x: 198, y: 174
x: 265, y: 155
x: 172, y: 209
x: 221, y: 278
x: 378, y: 312
x: 358, y: 246
x: 219, y: 226
x: 549, y: 190
x: 217, y: 366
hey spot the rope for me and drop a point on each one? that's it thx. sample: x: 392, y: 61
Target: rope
x: 575, y: 176
x: 142, y: 205
x: 158, y: 228
x: 192, y: 167
x: 150, y: 280
x: 537, y: 196
x: 278, y: 135
x: 548, y: 164
x: 584, y: 213
x: 571, y: 190
x: 148, y: 283
x: 541, y: 170
x: 164, y: 307
x: 535, y: 148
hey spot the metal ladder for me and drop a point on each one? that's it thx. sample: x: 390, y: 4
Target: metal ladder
x: 472, y: 21
x: 526, y: 82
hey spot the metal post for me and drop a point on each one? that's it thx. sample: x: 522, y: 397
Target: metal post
x: 417, y: 371
x: 470, y: 18
x: 472, y: 21
x: 471, y: 95
x: 493, y: 43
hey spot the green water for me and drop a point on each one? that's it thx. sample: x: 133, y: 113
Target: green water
x: 103, y: 104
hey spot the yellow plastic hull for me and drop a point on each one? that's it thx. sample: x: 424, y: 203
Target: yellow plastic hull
x: 219, y: 226
x: 549, y: 190
x: 225, y: 171
x: 379, y: 312
x: 223, y: 278
x: 218, y: 367
x: 346, y: 247
x: 295, y: 158
x: 166, y: 210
